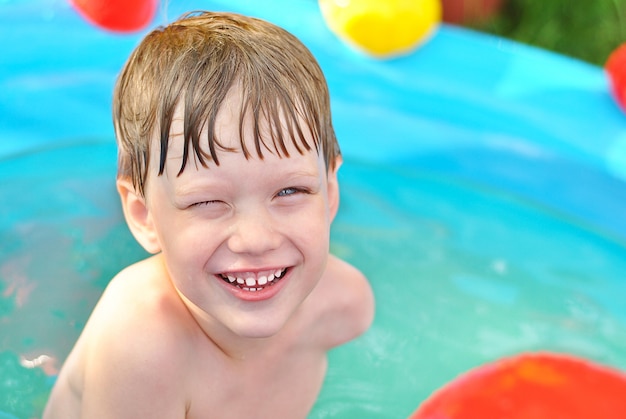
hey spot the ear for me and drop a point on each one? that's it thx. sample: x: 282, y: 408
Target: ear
x: 138, y: 216
x: 333, y: 188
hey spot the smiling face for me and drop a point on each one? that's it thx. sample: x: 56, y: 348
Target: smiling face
x: 245, y: 241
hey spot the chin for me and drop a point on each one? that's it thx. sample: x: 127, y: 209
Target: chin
x: 253, y: 326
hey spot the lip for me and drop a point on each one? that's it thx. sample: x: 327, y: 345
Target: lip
x: 262, y: 294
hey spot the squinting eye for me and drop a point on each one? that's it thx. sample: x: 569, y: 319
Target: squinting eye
x: 205, y: 203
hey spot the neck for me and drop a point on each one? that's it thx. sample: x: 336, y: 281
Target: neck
x: 229, y: 343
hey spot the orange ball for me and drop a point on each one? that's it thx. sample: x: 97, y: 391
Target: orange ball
x: 538, y: 386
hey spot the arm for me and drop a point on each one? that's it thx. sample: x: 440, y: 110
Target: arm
x: 122, y: 381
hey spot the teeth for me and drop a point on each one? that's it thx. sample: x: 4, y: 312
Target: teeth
x: 251, y: 283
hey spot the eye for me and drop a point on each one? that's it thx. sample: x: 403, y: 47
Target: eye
x: 290, y: 191
x: 209, y: 209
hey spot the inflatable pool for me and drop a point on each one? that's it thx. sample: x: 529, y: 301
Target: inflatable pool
x: 483, y: 194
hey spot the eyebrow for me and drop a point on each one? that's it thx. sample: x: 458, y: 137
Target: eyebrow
x: 204, y: 185
x: 197, y: 187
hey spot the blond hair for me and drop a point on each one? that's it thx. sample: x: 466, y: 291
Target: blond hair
x: 194, y: 62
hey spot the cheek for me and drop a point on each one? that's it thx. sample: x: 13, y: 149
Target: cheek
x: 312, y: 228
x: 315, y: 217
x: 186, y: 243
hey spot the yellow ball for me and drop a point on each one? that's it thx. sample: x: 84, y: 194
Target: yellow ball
x: 382, y: 28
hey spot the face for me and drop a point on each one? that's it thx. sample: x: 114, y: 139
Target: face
x: 244, y: 242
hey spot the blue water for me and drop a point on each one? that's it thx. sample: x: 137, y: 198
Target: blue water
x: 483, y: 198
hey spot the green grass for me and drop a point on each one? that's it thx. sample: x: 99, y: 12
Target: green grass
x: 585, y: 29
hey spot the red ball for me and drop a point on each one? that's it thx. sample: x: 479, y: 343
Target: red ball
x: 117, y: 15
x: 615, y: 67
x: 537, y: 386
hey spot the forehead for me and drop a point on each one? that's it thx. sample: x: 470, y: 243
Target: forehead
x: 237, y: 127
x: 233, y: 166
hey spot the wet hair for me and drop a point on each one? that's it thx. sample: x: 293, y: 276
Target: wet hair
x: 194, y: 63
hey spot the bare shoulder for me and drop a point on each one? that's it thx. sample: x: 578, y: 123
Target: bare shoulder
x: 344, y: 301
x: 139, y: 297
x: 136, y: 343
x: 141, y: 307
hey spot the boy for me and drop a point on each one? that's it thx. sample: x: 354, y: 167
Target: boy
x: 228, y: 176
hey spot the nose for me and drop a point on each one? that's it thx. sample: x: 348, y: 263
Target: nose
x: 253, y: 233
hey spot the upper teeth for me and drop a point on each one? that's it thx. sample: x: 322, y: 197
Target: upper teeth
x: 252, y: 279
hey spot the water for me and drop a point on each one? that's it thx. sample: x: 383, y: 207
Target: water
x: 463, y: 273
x: 62, y: 239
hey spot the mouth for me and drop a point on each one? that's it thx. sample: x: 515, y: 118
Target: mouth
x: 253, y: 281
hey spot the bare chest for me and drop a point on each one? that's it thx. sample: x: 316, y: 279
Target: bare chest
x: 269, y: 387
